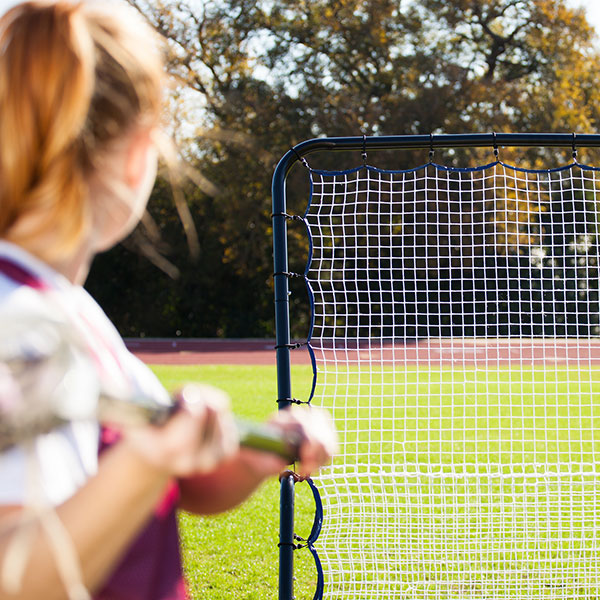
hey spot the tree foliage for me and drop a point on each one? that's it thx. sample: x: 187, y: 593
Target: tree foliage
x: 254, y: 77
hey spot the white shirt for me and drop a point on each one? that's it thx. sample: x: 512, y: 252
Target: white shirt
x: 66, y: 457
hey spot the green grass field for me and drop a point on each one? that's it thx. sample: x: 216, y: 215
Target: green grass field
x: 452, y: 421
x: 463, y: 483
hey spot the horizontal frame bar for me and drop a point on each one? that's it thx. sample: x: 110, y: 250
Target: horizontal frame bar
x: 386, y: 142
x: 460, y: 140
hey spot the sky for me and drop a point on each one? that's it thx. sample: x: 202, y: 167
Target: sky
x: 592, y: 9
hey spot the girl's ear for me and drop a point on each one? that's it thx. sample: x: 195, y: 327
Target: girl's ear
x: 136, y: 157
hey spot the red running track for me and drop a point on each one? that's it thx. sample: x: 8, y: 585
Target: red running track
x: 456, y: 351
x: 209, y: 351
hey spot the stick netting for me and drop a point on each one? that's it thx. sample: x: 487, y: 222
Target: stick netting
x: 456, y: 336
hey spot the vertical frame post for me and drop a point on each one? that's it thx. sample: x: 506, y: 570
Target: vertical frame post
x: 284, y: 391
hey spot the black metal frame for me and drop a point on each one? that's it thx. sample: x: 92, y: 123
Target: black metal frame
x: 280, y: 254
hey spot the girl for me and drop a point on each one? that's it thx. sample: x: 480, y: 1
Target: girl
x: 80, y: 104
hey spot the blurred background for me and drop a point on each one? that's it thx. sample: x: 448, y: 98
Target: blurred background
x: 252, y: 78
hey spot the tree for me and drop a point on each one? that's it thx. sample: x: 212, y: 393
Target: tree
x: 259, y: 76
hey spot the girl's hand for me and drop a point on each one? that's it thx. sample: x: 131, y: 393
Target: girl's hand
x: 314, y: 427
x: 197, y: 438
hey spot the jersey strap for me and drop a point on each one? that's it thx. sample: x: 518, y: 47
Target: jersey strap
x: 20, y: 275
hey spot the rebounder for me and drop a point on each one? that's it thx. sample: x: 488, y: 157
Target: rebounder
x: 455, y: 338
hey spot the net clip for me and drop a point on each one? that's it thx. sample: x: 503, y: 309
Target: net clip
x: 574, y: 148
x: 495, y: 142
x: 300, y: 539
x: 297, y: 478
x: 364, y: 150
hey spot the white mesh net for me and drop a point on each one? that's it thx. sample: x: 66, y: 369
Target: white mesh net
x: 456, y: 337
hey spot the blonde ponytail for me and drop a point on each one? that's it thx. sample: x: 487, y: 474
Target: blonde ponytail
x: 72, y: 78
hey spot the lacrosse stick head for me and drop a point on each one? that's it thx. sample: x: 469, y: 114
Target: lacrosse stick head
x: 49, y: 377
x: 45, y: 379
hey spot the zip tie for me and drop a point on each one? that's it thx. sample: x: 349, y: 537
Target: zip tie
x: 293, y: 401
x: 291, y: 346
x: 289, y: 217
x: 294, y: 546
x: 301, y: 158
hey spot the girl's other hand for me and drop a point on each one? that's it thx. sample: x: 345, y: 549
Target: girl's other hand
x: 196, y: 439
